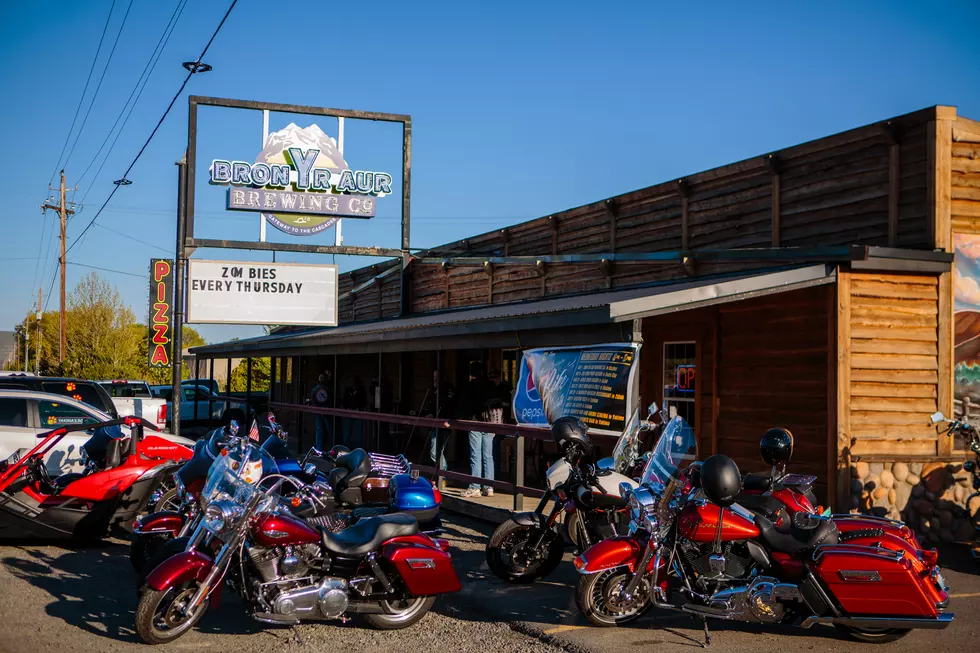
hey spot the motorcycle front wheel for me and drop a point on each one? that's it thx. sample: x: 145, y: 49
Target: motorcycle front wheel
x: 158, y: 615
x: 874, y: 635
x: 401, y: 614
x: 600, y: 598
x: 513, y: 557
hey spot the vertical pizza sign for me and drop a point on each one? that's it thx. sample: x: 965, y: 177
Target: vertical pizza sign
x: 161, y: 312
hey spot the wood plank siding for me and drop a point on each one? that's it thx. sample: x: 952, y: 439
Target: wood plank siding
x: 892, y: 362
x: 965, y: 176
x: 866, y: 186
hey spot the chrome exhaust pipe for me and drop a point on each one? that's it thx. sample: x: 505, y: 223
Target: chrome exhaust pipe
x: 940, y: 622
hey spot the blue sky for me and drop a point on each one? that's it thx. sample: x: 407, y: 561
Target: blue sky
x: 519, y: 109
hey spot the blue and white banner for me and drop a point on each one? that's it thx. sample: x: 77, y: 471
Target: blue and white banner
x: 594, y: 383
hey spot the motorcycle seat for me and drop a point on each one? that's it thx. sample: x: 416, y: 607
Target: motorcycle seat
x: 368, y: 534
x: 59, y: 483
x: 763, y: 504
x: 806, y: 532
x: 761, y: 482
x: 358, y: 466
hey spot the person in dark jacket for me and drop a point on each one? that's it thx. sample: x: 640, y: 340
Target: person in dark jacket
x: 321, y: 397
x: 474, y: 404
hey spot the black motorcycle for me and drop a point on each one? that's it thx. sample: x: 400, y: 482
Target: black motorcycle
x: 586, y: 504
x: 970, y: 433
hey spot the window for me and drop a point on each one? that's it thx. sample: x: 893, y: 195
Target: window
x: 54, y: 414
x: 13, y: 412
x: 126, y: 389
x: 85, y: 393
x: 680, y: 380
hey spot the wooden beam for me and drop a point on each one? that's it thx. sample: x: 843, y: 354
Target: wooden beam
x: 685, y: 192
x: 611, y: 211
x: 843, y: 394
x: 944, y: 390
x: 505, y: 236
x: 489, y: 268
x: 939, y: 161
x: 716, y: 375
x: 832, y: 392
x: 553, y: 224
x: 772, y: 164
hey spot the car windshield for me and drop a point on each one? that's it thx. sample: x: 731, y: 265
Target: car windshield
x: 675, y: 451
x: 126, y: 389
x: 626, y: 451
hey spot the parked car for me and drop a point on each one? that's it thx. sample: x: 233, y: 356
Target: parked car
x: 211, y: 405
x: 25, y: 414
x: 134, y: 398
x: 88, y: 392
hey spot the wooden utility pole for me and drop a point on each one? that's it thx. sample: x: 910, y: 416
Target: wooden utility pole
x: 37, y: 347
x: 63, y: 212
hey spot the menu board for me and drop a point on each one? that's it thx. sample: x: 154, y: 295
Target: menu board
x: 593, y: 383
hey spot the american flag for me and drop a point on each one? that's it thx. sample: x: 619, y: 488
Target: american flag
x: 253, y: 433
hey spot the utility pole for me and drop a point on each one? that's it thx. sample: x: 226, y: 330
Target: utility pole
x: 37, y: 347
x: 64, y: 212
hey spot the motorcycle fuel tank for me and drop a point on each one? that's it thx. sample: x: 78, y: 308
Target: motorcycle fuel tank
x: 698, y: 523
x: 279, y: 530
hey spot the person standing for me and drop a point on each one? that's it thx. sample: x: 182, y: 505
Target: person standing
x: 355, y: 398
x: 504, y: 394
x: 475, y: 405
x: 439, y: 401
x: 321, y: 398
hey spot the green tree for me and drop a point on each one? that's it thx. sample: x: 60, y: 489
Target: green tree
x: 261, y: 370
x: 102, y: 344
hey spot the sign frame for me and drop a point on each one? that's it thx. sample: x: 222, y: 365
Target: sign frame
x: 189, y: 319
x: 192, y: 242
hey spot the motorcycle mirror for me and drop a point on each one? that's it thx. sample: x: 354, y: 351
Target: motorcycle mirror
x: 310, y: 469
x: 272, y: 417
x: 651, y: 409
x: 937, y: 418
x: 233, y: 427
x: 969, y: 466
x: 625, y: 489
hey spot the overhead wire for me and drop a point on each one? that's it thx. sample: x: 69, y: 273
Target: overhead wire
x: 81, y: 99
x: 192, y: 69
x: 98, y: 86
x: 95, y: 267
x: 138, y: 89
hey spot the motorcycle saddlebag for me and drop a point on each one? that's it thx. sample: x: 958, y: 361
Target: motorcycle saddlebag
x: 874, y: 581
x: 423, y: 566
x: 406, y: 494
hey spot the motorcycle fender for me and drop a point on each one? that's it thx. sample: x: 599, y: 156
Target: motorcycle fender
x: 177, y: 570
x: 159, y: 522
x: 530, y: 519
x: 609, y: 554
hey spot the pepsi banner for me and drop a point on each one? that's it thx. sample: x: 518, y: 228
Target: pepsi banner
x: 593, y: 383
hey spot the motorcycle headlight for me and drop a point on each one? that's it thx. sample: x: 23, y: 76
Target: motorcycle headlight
x: 642, y: 505
x: 220, y: 516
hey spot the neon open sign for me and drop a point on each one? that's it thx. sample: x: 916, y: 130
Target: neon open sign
x: 686, y: 379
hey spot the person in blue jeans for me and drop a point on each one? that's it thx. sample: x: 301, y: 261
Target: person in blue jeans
x: 475, y: 405
x: 445, y: 405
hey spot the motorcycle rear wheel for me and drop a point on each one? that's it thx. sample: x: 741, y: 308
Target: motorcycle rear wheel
x: 596, y: 597
x: 509, y: 561
x: 157, y: 619
x: 403, y: 613
x: 874, y: 635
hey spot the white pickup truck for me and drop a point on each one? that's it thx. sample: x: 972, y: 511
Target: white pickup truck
x: 135, y: 398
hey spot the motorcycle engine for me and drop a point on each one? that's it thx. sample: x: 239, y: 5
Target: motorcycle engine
x: 761, y: 601
x: 283, y: 584
x: 738, y: 562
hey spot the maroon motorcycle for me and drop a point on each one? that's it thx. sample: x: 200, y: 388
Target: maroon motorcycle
x: 286, y: 570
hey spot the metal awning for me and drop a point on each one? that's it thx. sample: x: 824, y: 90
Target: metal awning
x: 671, y: 300
x: 515, y: 323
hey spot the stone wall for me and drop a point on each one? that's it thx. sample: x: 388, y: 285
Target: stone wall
x: 929, y: 497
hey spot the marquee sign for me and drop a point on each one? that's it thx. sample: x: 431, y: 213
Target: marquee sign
x: 236, y: 292
x: 160, y: 322
x: 300, y: 182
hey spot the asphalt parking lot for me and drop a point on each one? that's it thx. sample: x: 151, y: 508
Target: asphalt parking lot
x: 57, y: 599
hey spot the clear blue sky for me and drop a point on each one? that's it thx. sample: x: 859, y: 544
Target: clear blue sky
x: 519, y: 109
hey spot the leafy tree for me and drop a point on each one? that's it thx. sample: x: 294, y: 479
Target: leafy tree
x: 261, y: 370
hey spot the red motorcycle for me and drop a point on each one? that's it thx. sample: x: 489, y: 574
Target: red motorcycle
x: 117, y: 483
x: 285, y: 569
x: 692, y: 549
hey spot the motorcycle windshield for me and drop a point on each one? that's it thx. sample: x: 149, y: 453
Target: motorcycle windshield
x: 675, y: 451
x: 625, y: 451
x: 231, y: 478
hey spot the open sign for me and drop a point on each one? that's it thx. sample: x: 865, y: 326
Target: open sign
x: 686, y: 378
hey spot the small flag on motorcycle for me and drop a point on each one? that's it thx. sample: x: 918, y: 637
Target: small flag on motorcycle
x: 253, y: 433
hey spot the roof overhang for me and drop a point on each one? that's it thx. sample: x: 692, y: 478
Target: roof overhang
x: 672, y: 301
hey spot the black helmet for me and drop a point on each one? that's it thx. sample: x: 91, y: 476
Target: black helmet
x: 776, y: 446
x: 720, y: 480
x: 571, y: 430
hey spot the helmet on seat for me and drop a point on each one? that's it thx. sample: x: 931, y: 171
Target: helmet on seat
x: 720, y: 480
x: 568, y: 431
x: 776, y: 446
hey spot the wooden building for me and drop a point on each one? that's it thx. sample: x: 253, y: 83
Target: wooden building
x: 812, y: 288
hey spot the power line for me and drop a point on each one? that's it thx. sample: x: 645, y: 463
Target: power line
x: 138, y: 88
x: 192, y: 68
x: 99, y: 85
x: 133, y: 238
x: 84, y: 91
x: 94, y: 267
